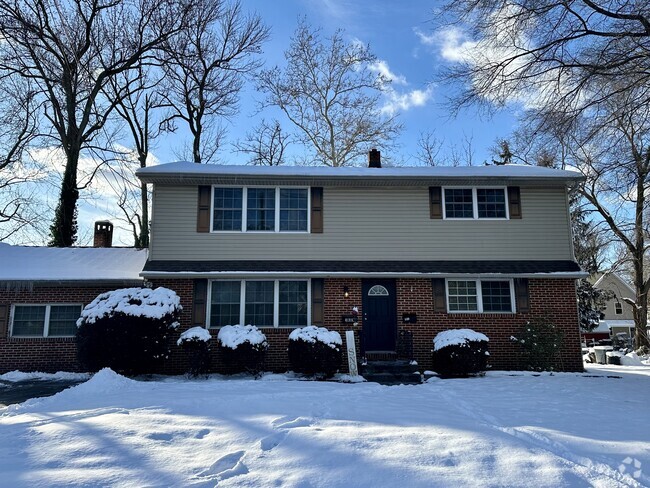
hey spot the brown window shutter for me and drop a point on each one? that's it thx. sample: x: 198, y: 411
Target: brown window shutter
x: 316, y: 210
x: 199, y: 304
x: 4, y: 320
x: 435, y: 202
x: 317, y: 292
x: 514, y: 202
x: 439, y: 295
x: 521, y: 295
x: 203, y: 214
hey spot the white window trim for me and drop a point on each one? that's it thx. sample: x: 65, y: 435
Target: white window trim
x: 46, y: 326
x: 475, y: 202
x: 244, y: 210
x: 479, y: 295
x: 276, y: 302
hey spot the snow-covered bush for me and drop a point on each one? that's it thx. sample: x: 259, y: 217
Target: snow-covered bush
x: 242, y: 348
x: 127, y: 330
x: 196, y: 343
x: 315, y: 351
x: 540, y: 342
x: 459, y: 353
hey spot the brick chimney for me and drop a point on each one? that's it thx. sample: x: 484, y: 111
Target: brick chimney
x: 374, y: 159
x: 103, y: 234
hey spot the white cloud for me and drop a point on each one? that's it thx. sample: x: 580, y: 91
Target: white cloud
x: 381, y: 67
x: 401, y: 102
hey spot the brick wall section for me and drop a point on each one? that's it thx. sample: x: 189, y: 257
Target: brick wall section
x: 335, y: 305
x: 42, y: 353
x: 554, y: 298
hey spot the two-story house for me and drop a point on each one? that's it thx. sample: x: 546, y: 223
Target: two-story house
x: 618, y: 315
x: 415, y: 250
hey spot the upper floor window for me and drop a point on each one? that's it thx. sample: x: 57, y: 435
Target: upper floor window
x: 257, y: 209
x: 619, y: 308
x: 45, y: 320
x: 492, y: 296
x: 475, y: 203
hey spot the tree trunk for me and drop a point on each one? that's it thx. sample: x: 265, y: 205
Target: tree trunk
x: 641, y: 308
x: 64, y: 226
x: 144, y: 221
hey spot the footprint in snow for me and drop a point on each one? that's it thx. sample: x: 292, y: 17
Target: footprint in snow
x: 202, y: 433
x: 284, y: 423
x: 159, y: 436
x: 225, y: 467
x: 271, y: 441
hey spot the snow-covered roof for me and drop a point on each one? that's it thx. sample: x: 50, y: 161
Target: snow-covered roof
x: 192, y: 172
x: 26, y: 263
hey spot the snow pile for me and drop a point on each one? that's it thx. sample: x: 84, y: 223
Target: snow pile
x: 136, y: 302
x: 311, y: 333
x: 233, y: 336
x: 15, y: 376
x: 195, y: 334
x: 631, y: 359
x: 614, y: 354
x: 104, y: 381
x: 457, y: 337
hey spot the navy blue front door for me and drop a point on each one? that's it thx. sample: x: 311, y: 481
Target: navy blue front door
x: 379, y: 315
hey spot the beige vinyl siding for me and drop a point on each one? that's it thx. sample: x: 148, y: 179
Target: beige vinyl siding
x: 613, y: 283
x: 370, y: 224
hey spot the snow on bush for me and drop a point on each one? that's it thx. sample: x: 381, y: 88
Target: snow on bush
x: 312, y: 334
x: 459, y: 353
x: 233, y: 336
x: 315, y: 351
x: 135, y: 302
x: 243, y: 348
x: 127, y: 330
x: 457, y: 337
x: 196, y: 343
x: 195, y: 334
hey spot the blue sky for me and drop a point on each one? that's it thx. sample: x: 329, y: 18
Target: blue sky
x: 402, y: 35
x: 405, y: 41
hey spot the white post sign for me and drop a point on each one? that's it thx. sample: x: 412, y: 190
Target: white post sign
x: 352, y: 353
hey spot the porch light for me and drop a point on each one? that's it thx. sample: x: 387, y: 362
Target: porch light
x: 346, y: 292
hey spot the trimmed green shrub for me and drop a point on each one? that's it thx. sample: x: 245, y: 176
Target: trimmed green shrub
x: 460, y: 353
x: 540, y: 341
x: 315, y: 351
x: 196, y: 344
x: 242, y: 348
x: 127, y: 330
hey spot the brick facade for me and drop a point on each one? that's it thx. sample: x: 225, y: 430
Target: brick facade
x: 42, y: 353
x: 553, y: 298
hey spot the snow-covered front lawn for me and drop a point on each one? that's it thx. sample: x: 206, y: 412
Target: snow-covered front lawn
x: 507, y: 429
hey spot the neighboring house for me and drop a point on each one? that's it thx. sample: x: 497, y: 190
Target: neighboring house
x: 416, y: 250
x: 618, y: 316
x: 43, y: 290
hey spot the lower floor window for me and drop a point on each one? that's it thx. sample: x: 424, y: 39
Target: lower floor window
x: 45, y: 320
x: 263, y: 303
x: 480, y: 296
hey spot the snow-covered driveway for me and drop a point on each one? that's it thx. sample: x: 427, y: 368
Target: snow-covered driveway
x: 501, y: 430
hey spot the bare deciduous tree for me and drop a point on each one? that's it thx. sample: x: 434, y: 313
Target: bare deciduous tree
x: 429, y: 147
x: 559, y: 56
x: 265, y: 144
x: 69, y: 50
x: 205, y: 68
x: 137, y: 94
x: 327, y: 91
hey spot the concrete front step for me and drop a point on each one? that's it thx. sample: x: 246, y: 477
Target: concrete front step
x: 391, y: 372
